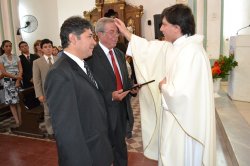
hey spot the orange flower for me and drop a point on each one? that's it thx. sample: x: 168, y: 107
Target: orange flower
x: 216, y: 70
x: 223, y: 66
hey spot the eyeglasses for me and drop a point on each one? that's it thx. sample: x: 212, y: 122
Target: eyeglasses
x: 113, y: 33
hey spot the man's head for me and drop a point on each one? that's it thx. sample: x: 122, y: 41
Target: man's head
x: 107, y: 32
x: 77, y: 37
x: 177, y: 20
x: 24, y: 47
x: 46, y: 46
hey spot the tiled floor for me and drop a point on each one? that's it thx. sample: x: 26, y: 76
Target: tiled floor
x: 21, y: 151
x: 135, y: 143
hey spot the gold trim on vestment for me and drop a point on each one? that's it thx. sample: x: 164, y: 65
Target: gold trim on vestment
x: 154, y: 107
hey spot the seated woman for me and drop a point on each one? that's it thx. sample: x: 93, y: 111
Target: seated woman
x: 11, y: 69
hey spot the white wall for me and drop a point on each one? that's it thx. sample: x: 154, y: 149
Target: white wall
x: 236, y: 16
x: 150, y: 9
x: 66, y: 8
x: 51, y: 14
x: 200, y: 17
x: 213, y: 28
x: 46, y: 13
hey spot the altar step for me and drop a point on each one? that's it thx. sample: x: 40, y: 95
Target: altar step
x: 234, y: 128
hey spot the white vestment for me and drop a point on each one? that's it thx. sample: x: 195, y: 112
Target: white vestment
x: 187, y: 123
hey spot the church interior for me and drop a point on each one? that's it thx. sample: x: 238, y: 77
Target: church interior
x: 226, y: 30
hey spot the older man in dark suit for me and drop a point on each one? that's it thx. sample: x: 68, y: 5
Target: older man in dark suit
x: 109, y: 66
x: 76, y: 104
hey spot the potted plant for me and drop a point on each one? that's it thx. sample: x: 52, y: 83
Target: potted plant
x: 223, y: 66
x: 221, y: 69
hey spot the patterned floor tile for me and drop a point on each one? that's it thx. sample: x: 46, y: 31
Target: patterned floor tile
x: 134, y: 144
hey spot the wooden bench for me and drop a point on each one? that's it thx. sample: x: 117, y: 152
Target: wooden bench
x: 5, y: 113
x: 31, y: 113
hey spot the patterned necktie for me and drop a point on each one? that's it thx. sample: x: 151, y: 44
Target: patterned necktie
x: 116, y: 71
x: 89, y: 73
x: 50, y: 62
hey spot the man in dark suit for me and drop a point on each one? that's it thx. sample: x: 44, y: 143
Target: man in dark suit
x: 108, y: 65
x: 75, y: 101
x: 27, y: 62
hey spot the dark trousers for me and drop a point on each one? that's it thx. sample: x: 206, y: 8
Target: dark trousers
x: 118, y: 140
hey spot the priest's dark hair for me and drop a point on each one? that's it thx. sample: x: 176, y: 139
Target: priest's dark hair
x: 182, y: 16
x: 76, y: 25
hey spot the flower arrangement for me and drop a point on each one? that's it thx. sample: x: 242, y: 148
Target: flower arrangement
x: 223, y: 66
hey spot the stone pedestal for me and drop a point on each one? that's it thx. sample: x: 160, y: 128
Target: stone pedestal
x: 239, y: 78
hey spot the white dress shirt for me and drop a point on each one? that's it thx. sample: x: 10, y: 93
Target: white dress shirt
x: 79, y: 61
x: 106, y: 51
x: 47, y: 59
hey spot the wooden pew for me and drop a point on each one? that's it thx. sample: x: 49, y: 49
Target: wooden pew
x: 5, y: 113
x: 31, y: 113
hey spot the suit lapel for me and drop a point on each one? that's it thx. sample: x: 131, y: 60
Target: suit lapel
x: 105, y: 62
x: 44, y: 63
x: 123, y: 68
x: 55, y: 58
x: 24, y: 58
x: 79, y: 70
x: 120, y: 62
x: 32, y: 57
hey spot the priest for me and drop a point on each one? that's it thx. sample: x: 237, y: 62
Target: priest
x: 178, y: 109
